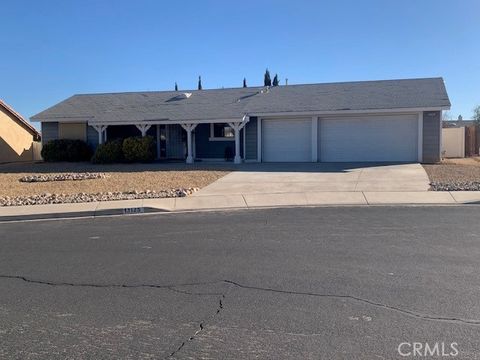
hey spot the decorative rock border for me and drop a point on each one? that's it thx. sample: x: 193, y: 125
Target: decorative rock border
x: 62, y: 177
x: 47, y: 198
x: 455, y: 186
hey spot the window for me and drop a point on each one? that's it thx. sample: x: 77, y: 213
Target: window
x: 72, y: 131
x: 221, y: 131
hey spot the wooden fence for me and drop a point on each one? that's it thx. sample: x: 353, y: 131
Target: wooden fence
x: 472, y: 140
x: 36, y: 151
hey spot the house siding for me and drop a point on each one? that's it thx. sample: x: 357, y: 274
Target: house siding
x: 16, y: 142
x: 175, y: 146
x: 72, y: 131
x: 431, y: 136
x: 49, y: 131
x: 251, y: 139
x: 92, y: 137
x: 206, y: 149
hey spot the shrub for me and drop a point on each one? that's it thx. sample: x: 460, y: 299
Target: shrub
x: 66, y: 150
x: 110, y: 152
x: 139, y: 149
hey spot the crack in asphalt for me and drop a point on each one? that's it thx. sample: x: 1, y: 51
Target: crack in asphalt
x: 174, y: 287
x: 201, y: 328
x: 410, y: 313
x: 171, y: 287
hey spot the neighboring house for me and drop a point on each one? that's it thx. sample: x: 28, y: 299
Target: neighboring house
x: 19, y: 141
x: 458, y: 123
x: 389, y: 120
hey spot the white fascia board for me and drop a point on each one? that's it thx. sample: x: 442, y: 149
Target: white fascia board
x: 346, y: 112
x: 63, y: 119
x: 171, y: 122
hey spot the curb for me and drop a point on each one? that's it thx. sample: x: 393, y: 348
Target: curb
x: 80, y: 214
x: 151, y: 210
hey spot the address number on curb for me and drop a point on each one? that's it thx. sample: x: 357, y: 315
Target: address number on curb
x: 133, y: 210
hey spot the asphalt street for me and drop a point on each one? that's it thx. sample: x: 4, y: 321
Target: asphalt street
x: 299, y: 283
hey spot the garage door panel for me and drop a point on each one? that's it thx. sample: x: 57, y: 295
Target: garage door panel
x: 287, y: 140
x: 369, y: 138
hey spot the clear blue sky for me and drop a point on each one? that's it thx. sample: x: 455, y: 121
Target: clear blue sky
x: 54, y: 49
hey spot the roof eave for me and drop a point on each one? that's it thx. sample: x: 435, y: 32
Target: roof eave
x: 348, y: 111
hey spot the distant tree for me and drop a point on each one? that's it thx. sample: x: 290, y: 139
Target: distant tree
x: 275, y: 80
x: 176, y: 86
x: 199, y: 83
x: 476, y: 114
x: 244, y: 82
x: 266, y: 78
x: 446, y: 116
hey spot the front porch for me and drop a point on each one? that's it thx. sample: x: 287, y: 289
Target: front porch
x: 189, y: 141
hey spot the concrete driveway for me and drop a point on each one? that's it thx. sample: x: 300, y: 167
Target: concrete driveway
x: 318, y: 177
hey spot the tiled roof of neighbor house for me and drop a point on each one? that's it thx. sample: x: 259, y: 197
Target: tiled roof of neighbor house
x: 20, y: 119
x: 235, y: 102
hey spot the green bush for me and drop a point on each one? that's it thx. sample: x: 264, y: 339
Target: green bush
x: 110, y: 152
x: 139, y: 149
x: 66, y: 150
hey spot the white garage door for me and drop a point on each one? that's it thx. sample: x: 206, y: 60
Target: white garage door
x: 369, y: 138
x: 287, y: 140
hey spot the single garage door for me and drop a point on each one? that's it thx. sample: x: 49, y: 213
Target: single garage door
x: 368, y: 138
x: 287, y: 140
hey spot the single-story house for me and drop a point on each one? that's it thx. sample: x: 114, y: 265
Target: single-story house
x: 19, y: 141
x: 388, y: 120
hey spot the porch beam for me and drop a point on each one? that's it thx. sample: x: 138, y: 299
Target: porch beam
x: 189, y: 128
x: 101, y: 129
x: 237, y: 126
x: 143, y: 128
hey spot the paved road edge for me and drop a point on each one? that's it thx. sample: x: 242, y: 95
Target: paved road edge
x: 237, y: 201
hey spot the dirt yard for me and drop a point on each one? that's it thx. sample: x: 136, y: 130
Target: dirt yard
x: 122, y: 177
x: 455, y: 175
x: 454, y: 170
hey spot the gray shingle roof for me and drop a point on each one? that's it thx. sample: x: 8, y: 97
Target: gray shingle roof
x: 235, y: 102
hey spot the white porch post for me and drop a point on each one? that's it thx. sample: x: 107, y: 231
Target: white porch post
x: 143, y: 128
x: 314, y: 138
x: 100, y: 129
x: 237, y: 159
x: 237, y: 126
x: 189, y: 128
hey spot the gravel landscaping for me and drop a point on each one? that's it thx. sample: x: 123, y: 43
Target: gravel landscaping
x: 455, y: 175
x: 43, y: 199
x: 48, y: 183
x: 62, y: 177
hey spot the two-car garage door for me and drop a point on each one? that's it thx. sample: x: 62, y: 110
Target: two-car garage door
x: 372, y: 138
x: 341, y: 139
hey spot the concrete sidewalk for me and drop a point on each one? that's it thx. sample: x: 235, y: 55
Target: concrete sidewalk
x: 238, y: 201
